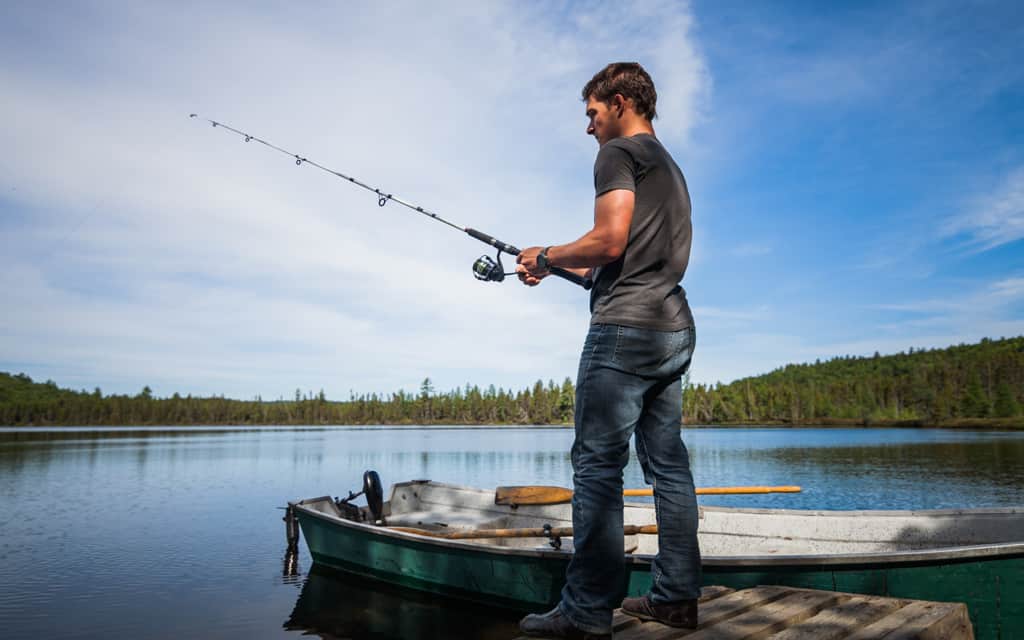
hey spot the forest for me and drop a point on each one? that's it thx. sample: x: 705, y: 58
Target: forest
x: 963, y: 385
x: 972, y: 385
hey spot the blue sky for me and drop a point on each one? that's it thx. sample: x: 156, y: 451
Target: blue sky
x: 857, y: 174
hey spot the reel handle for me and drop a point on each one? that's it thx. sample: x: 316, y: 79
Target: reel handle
x: 586, y: 283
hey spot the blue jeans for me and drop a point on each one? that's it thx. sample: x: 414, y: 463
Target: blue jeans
x: 629, y: 381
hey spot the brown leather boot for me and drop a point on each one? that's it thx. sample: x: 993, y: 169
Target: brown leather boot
x: 681, y: 614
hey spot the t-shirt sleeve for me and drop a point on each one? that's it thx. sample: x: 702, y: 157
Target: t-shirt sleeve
x: 613, y: 169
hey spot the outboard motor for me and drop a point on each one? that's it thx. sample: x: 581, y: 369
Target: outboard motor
x: 374, y: 495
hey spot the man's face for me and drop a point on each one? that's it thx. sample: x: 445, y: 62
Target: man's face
x: 604, y: 120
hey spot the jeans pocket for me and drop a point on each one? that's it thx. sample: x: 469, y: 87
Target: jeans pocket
x: 642, y: 351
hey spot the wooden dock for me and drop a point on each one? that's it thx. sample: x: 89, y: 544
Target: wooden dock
x: 786, y: 613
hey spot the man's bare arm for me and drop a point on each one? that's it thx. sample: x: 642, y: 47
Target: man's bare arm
x: 613, y: 213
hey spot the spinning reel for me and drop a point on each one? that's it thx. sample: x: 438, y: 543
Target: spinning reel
x: 487, y: 270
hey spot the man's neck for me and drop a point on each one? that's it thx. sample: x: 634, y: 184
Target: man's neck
x: 635, y: 125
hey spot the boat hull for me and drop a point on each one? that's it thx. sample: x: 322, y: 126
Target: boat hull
x: 988, y: 578
x: 518, y: 581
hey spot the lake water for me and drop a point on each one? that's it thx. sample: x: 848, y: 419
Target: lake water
x: 171, y: 533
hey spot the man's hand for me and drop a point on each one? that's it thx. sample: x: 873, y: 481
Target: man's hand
x: 527, y: 278
x: 528, y: 259
x: 526, y: 267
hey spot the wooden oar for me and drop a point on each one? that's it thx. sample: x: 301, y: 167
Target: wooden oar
x: 557, y: 495
x: 537, y: 532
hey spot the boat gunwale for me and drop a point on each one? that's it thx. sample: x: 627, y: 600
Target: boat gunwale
x: 853, y: 513
x: 1002, y: 550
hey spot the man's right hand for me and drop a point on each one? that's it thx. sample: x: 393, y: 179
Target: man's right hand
x: 528, y: 278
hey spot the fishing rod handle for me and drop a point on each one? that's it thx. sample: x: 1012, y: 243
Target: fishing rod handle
x: 586, y: 283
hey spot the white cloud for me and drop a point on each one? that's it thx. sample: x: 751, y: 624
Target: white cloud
x: 984, y: 298
x: 1009, y: 289
x: 145, y: 248
x: 736, y: 343
x: 982, y: 310
x: 993, y: 219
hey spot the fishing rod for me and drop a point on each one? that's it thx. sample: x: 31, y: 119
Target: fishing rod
x: 485, y: 268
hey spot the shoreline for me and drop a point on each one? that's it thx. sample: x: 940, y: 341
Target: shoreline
x: 967, y: 424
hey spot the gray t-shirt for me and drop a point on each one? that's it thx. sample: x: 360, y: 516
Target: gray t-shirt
x: 641, y: 288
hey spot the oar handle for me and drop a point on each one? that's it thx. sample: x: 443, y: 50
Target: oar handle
x: 531, y: 494
x: 586, y: 283
x: 719, y: 491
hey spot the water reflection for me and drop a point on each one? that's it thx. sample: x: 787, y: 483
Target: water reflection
x: 114, y: 532
x: 927, y: 473
x: 291, y: 569
x: 988, y: 461
x: 340, y: 605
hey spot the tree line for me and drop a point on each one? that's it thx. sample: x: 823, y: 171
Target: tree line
x: 24, y: 402
x: 978, y: 384
x: 967, y: 384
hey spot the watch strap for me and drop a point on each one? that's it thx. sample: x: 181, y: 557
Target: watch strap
x: 542, y: 259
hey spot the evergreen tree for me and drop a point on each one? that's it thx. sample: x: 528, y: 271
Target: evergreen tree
x: 974, y: 403
x: 1006, y: 406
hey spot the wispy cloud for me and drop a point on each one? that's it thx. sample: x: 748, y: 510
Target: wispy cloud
x: 984, y: 309
x: 994, y: 219
x: 1009, y: 289
x: 201, y: 264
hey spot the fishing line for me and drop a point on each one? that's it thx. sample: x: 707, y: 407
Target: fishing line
x: 485, y: 268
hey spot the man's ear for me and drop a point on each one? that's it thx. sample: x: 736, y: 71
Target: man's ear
x: 618, y: 104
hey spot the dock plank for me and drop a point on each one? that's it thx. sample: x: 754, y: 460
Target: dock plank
x: 763, y: 621
x: 787, y: 613
x: 921, y: 620
x: 712, y: 592
x: 738, y: 603
x: 836, y: 623
x: 712, y: 611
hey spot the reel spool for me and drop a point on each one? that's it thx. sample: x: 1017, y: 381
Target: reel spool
x: 487, y: 270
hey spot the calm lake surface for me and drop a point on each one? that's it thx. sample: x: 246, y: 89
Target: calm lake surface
x: 171, y: 533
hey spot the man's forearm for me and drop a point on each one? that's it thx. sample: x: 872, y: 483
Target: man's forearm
x: 592, y: 250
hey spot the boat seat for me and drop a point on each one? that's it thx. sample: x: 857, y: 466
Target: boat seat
x: 447, y: 519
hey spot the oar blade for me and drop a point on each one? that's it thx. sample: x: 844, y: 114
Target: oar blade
x: 532, y: 495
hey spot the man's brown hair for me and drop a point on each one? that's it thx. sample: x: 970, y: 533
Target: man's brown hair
x: 628, y: 79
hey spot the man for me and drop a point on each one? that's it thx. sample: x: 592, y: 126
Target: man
x: 639, y: 345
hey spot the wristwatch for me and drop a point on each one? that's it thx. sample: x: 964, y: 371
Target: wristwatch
x: 542, y: 259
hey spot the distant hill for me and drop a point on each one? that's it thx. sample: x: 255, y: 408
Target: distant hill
x: 977, y: 385
x: 965, y: 385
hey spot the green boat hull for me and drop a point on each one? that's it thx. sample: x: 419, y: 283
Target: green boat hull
x: 991, y: 584
x: 512, y: 580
